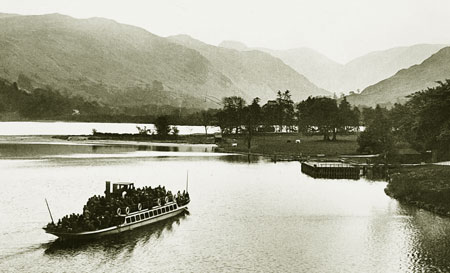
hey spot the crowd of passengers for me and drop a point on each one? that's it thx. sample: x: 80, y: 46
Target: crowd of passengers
x: 102, y: 212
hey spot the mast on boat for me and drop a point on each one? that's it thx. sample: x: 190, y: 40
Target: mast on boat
x: 187, y: 180
x: 51, y: 217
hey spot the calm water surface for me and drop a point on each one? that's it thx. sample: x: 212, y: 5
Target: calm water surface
x: 20, y: 128
x: 247, y: 217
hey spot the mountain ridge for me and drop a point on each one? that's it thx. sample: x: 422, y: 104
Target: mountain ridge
x: 406, y: 81
x: 354, y: 75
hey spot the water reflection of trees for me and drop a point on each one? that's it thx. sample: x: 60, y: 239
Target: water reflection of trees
x: 430, y: 240
x: 243, y: 159
x: 406, y: 239
x: 114, y: 245
x: 29, y: 150
x: 433, y: 241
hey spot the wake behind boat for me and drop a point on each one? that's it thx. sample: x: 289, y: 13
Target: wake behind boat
x: 122, y: 209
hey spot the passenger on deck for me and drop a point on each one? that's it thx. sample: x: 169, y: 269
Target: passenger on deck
x: 101, y: 212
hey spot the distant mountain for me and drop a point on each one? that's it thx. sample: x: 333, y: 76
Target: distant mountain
x: 357, y: 74
x: 234, y: 45
x: 376, y: 66
x: 321, y: 70
x: 407, y: 81
x: 318, y: 68
x: 258, y: 73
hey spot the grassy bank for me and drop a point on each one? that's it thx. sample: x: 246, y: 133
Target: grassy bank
x: 282, y: 145
x: 426, y: 187
x: 285, y: 145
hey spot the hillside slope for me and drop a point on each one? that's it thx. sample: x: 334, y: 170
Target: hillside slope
x: 407, y: 81
x: 377, y: 66
x: 102, y: 59
x: 258, y: 73
x: 117, y: 64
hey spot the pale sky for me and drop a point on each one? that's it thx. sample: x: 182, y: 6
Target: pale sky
x: 340, y: 29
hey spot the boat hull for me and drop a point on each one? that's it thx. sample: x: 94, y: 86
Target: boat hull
x: 117, y: 229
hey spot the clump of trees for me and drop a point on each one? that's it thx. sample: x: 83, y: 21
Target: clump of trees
x: 423, y: 122
x: 315, y: 115
x: 252, y: 118
x: 43, y: 103
x: 163, y: 128
x: 324, y: 115
x: 22, y: 101
x: 236, y: 114
x: 230, y: 117
x: 377, y: 136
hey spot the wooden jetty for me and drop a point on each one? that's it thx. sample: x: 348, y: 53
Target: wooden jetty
x: 333, y: 170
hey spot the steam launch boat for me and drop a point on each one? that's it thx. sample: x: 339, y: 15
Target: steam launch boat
x: 122, y: 209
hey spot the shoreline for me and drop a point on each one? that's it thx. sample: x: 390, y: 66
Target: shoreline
x: 434, y: 208
x: 280, y: 148
x: 275, y: 146
x: 83, y: 140
x: 425, y: 187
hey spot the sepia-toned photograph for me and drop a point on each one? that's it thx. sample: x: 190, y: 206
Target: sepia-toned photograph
x: 225, y: 136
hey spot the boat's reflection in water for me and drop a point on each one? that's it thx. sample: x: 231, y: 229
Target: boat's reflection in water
x: 115, y: 244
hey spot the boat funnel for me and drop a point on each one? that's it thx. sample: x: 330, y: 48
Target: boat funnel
x: 107, y: 189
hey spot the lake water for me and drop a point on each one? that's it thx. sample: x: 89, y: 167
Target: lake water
x: 13, y: 128
x: 245, y: 215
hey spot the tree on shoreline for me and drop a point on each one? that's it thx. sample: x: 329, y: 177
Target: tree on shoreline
x: 162, y: 126
x: 206, y: 119
x: 424, y: 121
x: 377, y: 137
x: 269, y: 113
x: 284, y: 110
x: 347, y: 117
x: 252, y: 118
x: 232, y: 113
x: 318, y: 113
